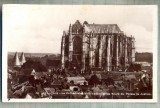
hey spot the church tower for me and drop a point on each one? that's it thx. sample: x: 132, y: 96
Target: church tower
x: 16, y: 62
x: 22, y: 59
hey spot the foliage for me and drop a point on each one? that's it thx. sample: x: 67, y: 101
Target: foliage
x: 37, y: 65
x: 93, y: 80
x: 134, y: 67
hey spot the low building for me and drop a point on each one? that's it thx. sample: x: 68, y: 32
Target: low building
x: 77, y: 80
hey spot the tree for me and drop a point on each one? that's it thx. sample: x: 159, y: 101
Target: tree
x: 109, y: 81
x: 37, y: 65
x: 134, y: 67
x: 138, y: 67
x: 131, y: 67
x: 94, y: 80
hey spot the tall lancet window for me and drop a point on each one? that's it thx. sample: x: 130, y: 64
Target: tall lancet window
x: 77, y: 50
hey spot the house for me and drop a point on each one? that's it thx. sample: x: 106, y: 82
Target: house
x: 77, y: 80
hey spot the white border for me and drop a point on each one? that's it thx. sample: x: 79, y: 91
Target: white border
x: 155, y: 61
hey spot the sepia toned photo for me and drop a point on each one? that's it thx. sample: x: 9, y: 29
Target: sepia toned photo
x: 79, y: 53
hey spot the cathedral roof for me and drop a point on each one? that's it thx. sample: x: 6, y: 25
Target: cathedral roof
x: 102, y: 28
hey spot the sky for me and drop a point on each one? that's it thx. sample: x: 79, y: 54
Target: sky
x: 39, y: 28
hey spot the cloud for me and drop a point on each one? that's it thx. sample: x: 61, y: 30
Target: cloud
x: 39, y: 28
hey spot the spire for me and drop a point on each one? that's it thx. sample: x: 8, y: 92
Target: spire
x: 22, y: 59
x: 16, y: 61
x: 70, y: 28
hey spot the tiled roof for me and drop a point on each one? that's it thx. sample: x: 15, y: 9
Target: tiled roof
x: 102, y: 28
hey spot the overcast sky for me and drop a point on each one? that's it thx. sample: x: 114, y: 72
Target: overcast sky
x: 39, y: 28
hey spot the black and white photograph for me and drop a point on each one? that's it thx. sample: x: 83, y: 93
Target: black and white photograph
x: 79, y: 53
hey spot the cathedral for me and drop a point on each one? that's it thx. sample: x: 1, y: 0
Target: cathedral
x: 104, y: 46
